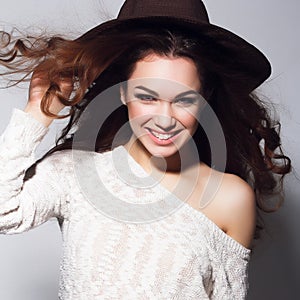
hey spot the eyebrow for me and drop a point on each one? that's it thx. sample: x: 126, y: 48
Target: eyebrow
x: 157, y: 95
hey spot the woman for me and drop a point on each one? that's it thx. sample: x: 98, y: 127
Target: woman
x: 160, y: 60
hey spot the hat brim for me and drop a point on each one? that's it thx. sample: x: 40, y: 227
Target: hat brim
x: 252, y: 65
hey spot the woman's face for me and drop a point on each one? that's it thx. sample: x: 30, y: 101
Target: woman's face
x: 163, y: 103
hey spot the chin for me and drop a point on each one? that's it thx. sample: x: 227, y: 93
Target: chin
x: 163, y: 153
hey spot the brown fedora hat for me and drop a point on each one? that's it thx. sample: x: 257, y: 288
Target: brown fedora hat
x: 192, y: 15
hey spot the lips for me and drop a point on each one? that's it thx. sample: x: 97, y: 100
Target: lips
x: 163, y: 137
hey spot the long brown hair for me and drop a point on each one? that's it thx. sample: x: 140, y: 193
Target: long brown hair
x: 107, y: 59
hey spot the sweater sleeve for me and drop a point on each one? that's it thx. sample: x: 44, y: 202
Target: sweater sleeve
x: 230, y: 271
x: 24, y: 205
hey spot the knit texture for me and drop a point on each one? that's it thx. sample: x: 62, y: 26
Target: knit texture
x: 183, y: 255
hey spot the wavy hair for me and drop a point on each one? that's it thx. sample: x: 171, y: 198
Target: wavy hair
x: 252, y: 137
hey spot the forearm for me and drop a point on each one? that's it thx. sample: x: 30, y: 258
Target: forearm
x: 23, y: 206
x: 17, y: 146
x: 36, y: 112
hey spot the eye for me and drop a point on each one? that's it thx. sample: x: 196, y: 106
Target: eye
x: 145, y: 97
x: 185, y: 101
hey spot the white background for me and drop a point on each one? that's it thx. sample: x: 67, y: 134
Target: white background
x: 29, y: 262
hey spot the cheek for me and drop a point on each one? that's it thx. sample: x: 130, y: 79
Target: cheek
x: 192, y: 125
x: 188, y: 121
x: 134, y: 111
x: 137, y: 115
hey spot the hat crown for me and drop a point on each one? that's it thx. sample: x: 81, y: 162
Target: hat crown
x: 253, y: 67
x: 193, y: 10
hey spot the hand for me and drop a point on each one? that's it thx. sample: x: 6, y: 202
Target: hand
x: 39, y: 85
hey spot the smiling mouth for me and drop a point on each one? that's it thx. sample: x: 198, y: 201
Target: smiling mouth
x: 163, y: 136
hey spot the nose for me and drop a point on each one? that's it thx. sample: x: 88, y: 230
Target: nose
x: 164, y: 118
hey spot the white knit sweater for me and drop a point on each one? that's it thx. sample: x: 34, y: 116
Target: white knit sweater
x: 181, y: 256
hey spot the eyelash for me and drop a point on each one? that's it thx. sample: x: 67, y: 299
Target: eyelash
x: 149, y: 98
x: 143, y: 96
x: 185, y: 101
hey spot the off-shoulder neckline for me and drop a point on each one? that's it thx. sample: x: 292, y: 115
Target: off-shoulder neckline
x: 197, y: 214
x: 231, y: 242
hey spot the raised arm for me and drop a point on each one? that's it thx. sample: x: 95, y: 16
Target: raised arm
x: 26, y: 205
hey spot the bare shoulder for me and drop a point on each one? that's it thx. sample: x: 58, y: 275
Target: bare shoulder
x: 236, y: 200
x: 233, y: 208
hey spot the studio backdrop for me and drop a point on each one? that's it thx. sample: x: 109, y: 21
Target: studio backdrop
x: 30, y: 261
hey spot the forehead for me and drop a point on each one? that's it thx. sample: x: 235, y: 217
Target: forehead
x: 165, y: 74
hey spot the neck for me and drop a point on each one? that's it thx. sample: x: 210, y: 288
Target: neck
x: 179, y: 162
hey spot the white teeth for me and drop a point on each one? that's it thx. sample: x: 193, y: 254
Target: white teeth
x: 162, y: 136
